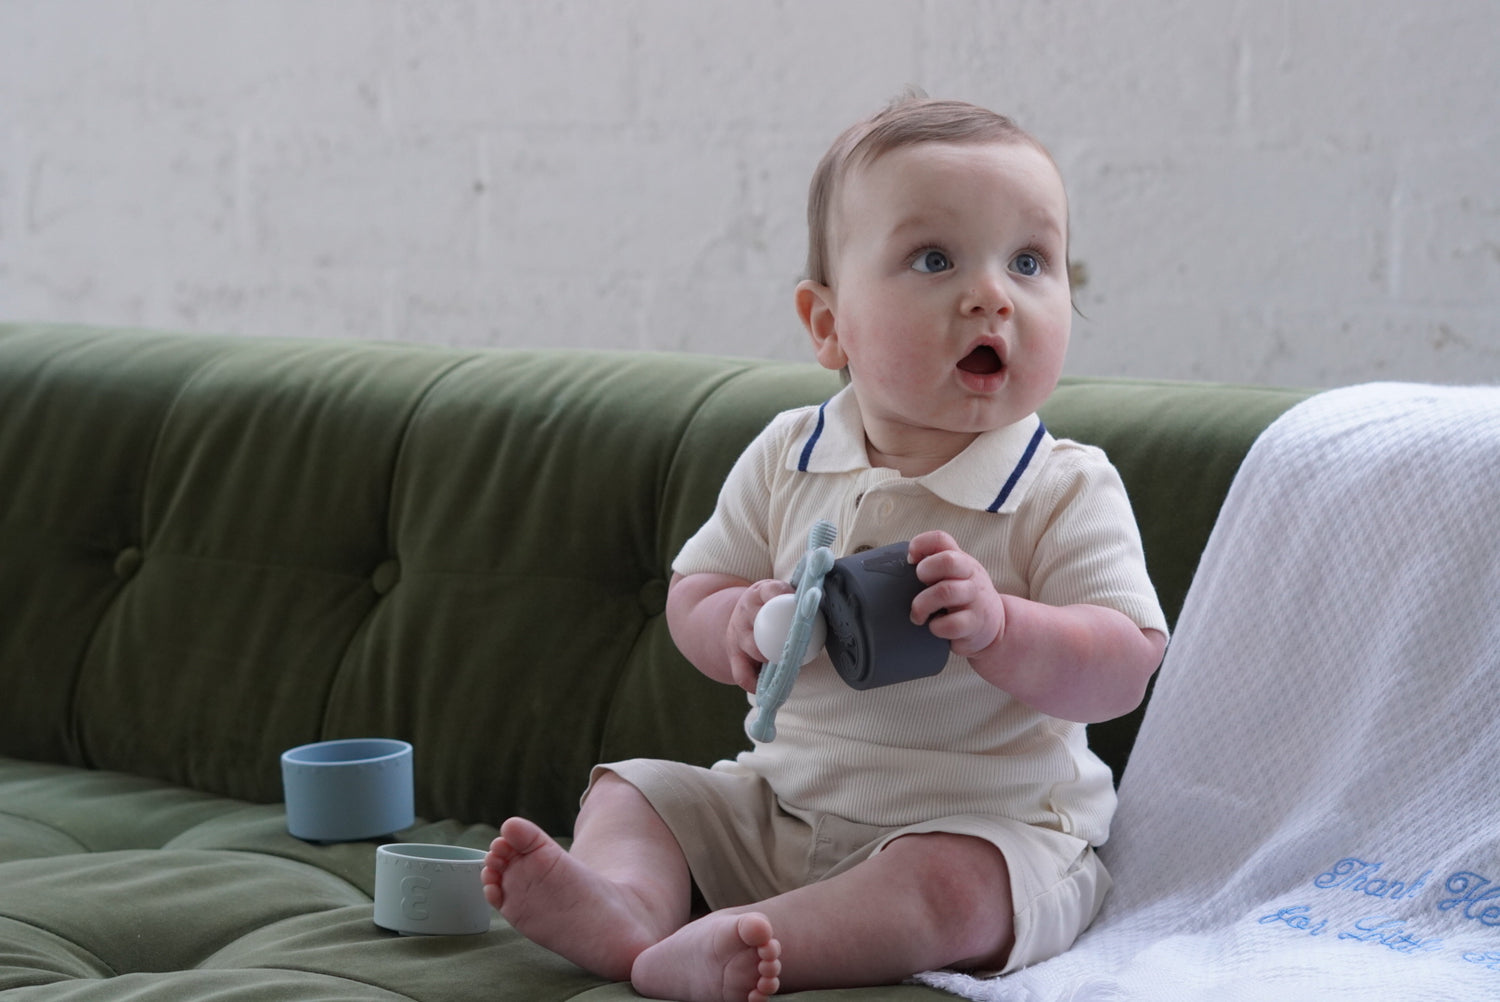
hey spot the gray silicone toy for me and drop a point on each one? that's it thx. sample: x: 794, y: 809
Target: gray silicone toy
x: 865, y: 601
x: 867, y: 606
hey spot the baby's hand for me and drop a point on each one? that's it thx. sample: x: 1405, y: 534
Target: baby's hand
x: 960, y: 603
x: 744, y: 655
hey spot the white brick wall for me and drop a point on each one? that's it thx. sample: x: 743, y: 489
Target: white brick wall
x: 1300, y: 191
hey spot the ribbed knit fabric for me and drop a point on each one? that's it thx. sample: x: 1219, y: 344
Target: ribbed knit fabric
x: 951, y: 744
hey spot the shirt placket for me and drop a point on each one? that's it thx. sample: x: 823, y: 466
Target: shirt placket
x: 870, y: 510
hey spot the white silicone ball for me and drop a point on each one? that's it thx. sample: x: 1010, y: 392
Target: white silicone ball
x: 774, y: 621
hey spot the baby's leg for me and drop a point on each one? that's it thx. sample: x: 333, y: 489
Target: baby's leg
x: 623, y: 887
x: 926, y: 901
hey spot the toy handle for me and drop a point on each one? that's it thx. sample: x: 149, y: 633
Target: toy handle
x: 775, y: 681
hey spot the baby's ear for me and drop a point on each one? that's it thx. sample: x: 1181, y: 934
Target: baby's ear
x: 815, y: 305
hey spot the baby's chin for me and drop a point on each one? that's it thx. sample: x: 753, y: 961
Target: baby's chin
x: 985, y: 414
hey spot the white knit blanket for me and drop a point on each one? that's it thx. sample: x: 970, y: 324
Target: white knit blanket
x: 1312, y: 810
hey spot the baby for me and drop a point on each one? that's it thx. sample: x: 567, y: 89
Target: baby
x: 943, y: 822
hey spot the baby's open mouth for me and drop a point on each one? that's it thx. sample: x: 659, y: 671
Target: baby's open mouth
x: 983, y: 361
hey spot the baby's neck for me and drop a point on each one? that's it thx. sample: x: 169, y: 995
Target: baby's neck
x: 908, y: 465
x: 912, y: 450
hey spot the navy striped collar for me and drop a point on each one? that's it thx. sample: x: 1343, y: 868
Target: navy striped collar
x: 990, y: 475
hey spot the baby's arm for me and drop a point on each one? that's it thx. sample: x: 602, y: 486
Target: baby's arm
x: 712, y: 621
x: 1085, y: 663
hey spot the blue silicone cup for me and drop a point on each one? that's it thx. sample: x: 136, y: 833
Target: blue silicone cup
x: 348, y: 790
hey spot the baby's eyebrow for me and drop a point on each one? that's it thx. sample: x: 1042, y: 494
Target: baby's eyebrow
x: 928, y: 226
x: 1039, y: 221
x: 1048, y: 231
x: 1043, y: 220
x: 1057, y: 227
x: 912, y: 224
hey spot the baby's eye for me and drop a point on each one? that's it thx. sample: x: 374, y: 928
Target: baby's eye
x: 931, y: 261
x: 1026, y: 263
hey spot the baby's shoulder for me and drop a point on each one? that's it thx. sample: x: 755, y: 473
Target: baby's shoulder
x: 1069, y: 455
x: 799, y: 420
x: 789, y: 429
x: 1073, y: 471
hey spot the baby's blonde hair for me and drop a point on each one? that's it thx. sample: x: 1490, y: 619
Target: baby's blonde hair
x: 907, y: 121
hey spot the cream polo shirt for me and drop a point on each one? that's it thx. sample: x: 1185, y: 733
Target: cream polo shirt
x: 1050, y: 520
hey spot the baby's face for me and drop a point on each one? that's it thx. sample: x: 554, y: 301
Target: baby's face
x: 950, y: 302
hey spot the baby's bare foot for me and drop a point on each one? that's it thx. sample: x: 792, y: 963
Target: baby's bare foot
x: 555, y: 901
x: 719, y: 958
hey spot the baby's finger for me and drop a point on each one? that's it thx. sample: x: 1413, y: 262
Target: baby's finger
x: 943, y: 564
x: 926, y: 544
x: 954, y: 626
x: 943, y: 597
x: 744, y: 670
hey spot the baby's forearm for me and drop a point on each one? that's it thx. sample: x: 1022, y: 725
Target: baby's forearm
x: 1085, y: 663
x: 699, y: 609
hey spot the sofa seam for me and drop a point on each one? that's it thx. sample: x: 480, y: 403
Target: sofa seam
x: 408, y: 425
x: 55, y: 934
x: 394, y: 995
x: 49, y: 826
x: 75, y: 719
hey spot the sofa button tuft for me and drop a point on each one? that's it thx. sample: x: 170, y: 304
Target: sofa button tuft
x: 385, y: 577
x: 653, y: 597
x: 127, y: 562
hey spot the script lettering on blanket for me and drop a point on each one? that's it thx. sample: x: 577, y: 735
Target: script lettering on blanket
x: 1390, y: 933
x: 1467, y: 894
x: 1478, y: 904
x: 1353, y: 874
x: 1379, y: 929
x: 1298, y: 917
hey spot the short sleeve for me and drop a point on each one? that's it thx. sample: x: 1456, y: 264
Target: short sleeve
x: 735, y: 539
x: 1089, y: 550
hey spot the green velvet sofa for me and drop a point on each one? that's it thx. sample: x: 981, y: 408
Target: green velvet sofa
x: 213, y: 549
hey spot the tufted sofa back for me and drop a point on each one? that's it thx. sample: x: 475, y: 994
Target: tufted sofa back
x: 213, y: 549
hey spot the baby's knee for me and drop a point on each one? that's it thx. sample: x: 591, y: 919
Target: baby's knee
x: 964, y: 882
x: 956, y: 866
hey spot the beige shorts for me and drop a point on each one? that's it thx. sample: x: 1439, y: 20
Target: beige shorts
x: 742, y: 846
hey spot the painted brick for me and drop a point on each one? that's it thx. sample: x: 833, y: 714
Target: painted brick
x: 1298, y: 193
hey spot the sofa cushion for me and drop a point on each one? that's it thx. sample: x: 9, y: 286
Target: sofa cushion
x: 118, y: 887
x: 115, y: 887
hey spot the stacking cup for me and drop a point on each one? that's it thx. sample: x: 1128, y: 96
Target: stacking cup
x: 347, y: 790
x: 432, y: 890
